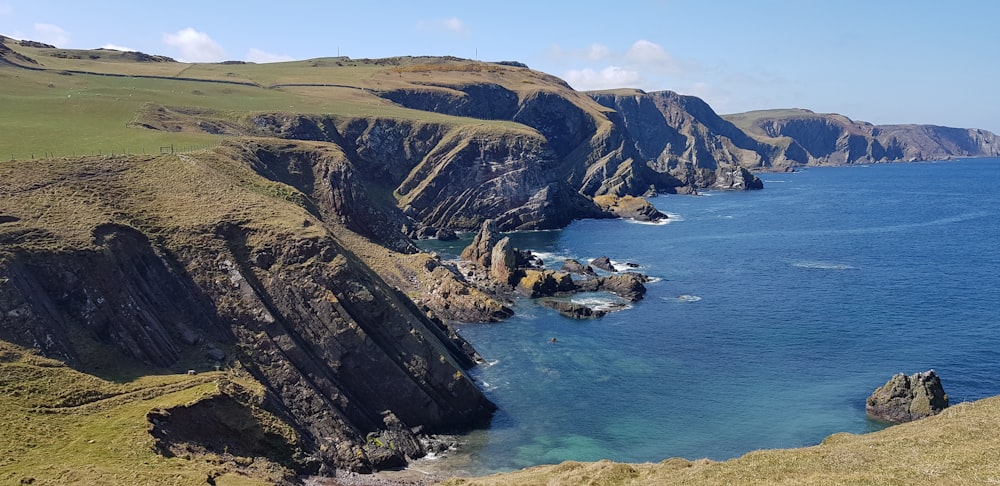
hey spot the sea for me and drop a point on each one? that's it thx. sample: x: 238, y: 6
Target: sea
x: 770, y: 318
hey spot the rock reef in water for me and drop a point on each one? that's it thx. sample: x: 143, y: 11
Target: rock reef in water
x: 502, y: 268
x: 907, y: 398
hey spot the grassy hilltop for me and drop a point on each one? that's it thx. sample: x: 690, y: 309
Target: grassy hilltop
x: 54, y: 108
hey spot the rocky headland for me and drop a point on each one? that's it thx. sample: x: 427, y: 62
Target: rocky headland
x: 797, y: 137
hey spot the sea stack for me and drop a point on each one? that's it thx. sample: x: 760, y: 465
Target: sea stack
x: 907, y: 398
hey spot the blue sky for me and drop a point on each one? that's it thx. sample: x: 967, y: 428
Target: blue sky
x: 883, y: 61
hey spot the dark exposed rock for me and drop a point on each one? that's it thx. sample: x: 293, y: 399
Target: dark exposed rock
x: 572, y: 266
x: 36, y: 44
x: 603, y: 263
x: 627, y: 285
x: 907, y: 398
x: 570, y: 309
x: 228, y: 427
x: 287, y: 323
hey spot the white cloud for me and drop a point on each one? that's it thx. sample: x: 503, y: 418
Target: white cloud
x: 607, y: 78
x: 117, y: 48
x: 598, y: 52
x: 644, y: 65
x: 51, y: 34
x: 453, y: 25
x: 257, y: 55
x: 195, y: 46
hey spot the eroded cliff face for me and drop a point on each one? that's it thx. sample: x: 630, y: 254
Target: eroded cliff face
x: 238, y: 270
x: 802, y: 137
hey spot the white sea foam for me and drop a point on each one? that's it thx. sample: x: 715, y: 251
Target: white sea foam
x: 688, y: 298
x: 549, y: 258
x: 674, y: 217
x: 819, y: 265
x: 651, y: 223
x: 624, y: 266
x: 653, y: 279
x: 603, y: 302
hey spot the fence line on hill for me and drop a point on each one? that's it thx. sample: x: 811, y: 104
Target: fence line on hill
x: 160, y: 149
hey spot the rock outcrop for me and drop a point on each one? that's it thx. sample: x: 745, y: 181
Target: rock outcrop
x: 907, y: 398
x: 630, y: 207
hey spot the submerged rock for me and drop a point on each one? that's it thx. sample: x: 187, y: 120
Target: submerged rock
x: 907, y: 398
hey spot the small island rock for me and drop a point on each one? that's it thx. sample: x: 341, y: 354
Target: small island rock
x: 907, y: 398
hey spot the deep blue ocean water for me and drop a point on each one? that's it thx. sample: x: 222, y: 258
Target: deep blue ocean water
x: 775, y: 314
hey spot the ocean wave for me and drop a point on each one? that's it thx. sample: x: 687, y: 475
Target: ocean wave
x: 673, y: 216
x: 653, y: 279
x: 818, y: 265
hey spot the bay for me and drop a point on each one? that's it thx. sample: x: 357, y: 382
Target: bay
x: 773, y: 315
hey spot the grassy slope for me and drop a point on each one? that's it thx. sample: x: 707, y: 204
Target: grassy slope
x: 61, y: 426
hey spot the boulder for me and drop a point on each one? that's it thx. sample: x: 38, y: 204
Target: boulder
x: 604, y: 263
x: 628, y: 285
x: 907, y: 398
x: 572, y: 266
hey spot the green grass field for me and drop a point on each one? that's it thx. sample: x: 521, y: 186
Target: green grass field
x: 59, y: 112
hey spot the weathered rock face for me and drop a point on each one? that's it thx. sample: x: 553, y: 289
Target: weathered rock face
x: 907, y: 398
x: 683, y: 138
x: 480, y: 251
x: 307, y: 322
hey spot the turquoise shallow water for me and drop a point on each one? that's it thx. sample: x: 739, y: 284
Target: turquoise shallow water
x: 775, y: 314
